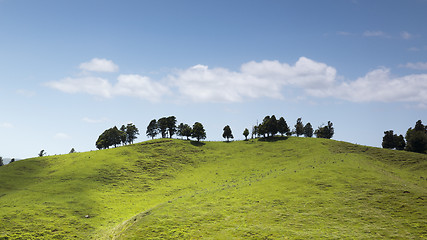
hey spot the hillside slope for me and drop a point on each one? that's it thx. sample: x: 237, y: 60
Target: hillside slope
x: 287, y: 188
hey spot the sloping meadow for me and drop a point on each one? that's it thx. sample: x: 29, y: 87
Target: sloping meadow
x: 175, y: 189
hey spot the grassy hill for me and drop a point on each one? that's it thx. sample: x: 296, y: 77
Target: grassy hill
x: 294, y: 188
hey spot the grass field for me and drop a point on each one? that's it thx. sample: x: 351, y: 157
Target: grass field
x: 296, y: 188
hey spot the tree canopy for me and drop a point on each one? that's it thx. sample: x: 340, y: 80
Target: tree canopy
x: 198, y: 131
x: 416, y: 138
x: 308, y: 130
x: 299, y: 127
x: 227, y: 134
x: 325, y: 131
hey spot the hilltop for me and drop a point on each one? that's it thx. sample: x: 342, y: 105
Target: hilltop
x: 167, y: 188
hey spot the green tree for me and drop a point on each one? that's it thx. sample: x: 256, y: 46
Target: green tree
x: 399, y: 142
x: 72, y: 150
x: 1, y: 161
x: 152, y: 129
x: 171, y: 125
x: 416, y: 139
x: 388, y: 140
x: 308, y: 130
x: 123, y: 136
x: 131, y: 132
x: 325, y: 131
x: 184, y: 130
x: 246, y: 133
x: 227, y: 133
x: 273, y: 127
x: 299, y: 127
x: 255, y: 131
x: 198, y: 131
x: 282, y: 126
x: 42, y: 153
x: 162, y: 125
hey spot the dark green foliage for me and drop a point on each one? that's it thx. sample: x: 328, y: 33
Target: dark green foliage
x: 325, y: 131
x: 1, y: 161
x: 417, y: 138
x: 131, y: 132
x: 198, y: 131
x: 42, y: 153
x: 162, y: 125
x: 12, y: 160
x: 227, y: 133
x: 72, y: 150
x: 388, y: 140
x: 282, y: 126
x: 299, y: 127
x: 308, y: 130
x: 110, y: 137
x: 171, y: 124
x: 399, y: 142
x: 246, y: 133
x: 152, y: 130
x: 184, y: 130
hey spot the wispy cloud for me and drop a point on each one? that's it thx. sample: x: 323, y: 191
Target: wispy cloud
x: 6, y: 125
x: 26, y: 93
x: 61, y: 136
x: 99, y: 65
x: 416, y: 66
x: 375, y: 34
x: 92, y: 120
x: 406, y: 35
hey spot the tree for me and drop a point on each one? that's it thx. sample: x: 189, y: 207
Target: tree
x: 131, y: 132
x: 42, y: 153
x: 184, y: 130
x: 12, y: 160
x: 109, y: 137
x: 1, y: 161
x: 325, y: 131
x: 308, y: 130
x: 123, y: 136
x: 399, y: 142
x: 388, y: 140
x: 152, y: 130
x: 282, y: 126
x: 416, y: 139
x: 227, y: 133
x: 255, y: 131
x: 162, y: 125
x: 299, y: 127
x: 246, y: 133
x: 198, y: 131
x: 72, y: 150
x: 171, y: 125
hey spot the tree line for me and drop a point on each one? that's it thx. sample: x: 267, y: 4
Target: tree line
x: 166, y: 127
x: 416, y: 139
x: 114, y: 136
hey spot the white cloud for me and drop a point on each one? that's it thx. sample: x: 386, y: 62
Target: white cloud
x: 91, y: 120
x: 139, y: 86
x: 416, y: 66
x: 91, y: 85
x: 99, y: 65
x: 406, y: 35
x: 254, y: 80
x: 26, y: 93
x: 61, y: 136
x: 6, y: 125
x: 379, y: 86
x: 127, y: 85
x: 375, y: 34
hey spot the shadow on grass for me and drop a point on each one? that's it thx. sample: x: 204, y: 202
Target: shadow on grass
x: 274, y: 139
x: 197, y: 143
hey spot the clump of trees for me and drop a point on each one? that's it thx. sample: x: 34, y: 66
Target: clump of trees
x: 270, y: 126
x: 1, y: 161
x: 416, y: 139
x: 325, y: 131
x: 166, y: 127
x: 114, y: 136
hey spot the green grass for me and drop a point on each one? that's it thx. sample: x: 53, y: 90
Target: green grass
x: 294, y: 188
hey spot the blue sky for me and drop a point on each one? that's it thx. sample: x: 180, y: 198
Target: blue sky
x: 71, y: 69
